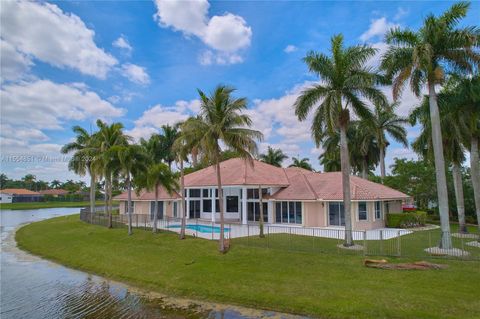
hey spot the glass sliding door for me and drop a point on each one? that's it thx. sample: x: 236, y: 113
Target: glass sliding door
x: 159, y: 211
x: 336, y: 214
x: 194, y: 209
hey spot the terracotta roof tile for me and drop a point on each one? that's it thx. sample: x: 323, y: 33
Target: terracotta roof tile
x: 144, y: 195
x: 53, y: 192
x: 18, y: 191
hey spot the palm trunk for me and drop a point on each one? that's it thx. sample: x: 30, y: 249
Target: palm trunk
x: 364, y: 170
x: 345, y: 163
x: 92, y: 194
x: 194, y: 156
x: 109, y: 208
x: 475, y: 175
x: 129, y: 205
x: 182, y: 204
x: 442, y: 193
x: 458, y: 185
x: 221, y: 241
x: 382, y: 164
x: 260, y: 201
x: 155, y: 217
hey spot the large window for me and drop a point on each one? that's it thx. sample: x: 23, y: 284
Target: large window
x: 194, y: 192
x: 288, y: 212
x: 232, y: 204
x: 252, y: 194
x: 253, y: 211
x: 132, y: 207
x: 362, y: 211
x: 336, y: 214
x: 378, y: 210
x: 175, y: 209
x: 159, y: 211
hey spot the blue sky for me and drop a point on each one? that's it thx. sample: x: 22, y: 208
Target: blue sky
x: 140, y: 62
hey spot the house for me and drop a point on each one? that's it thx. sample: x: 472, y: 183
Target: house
x: 5, y: 198
x: 21, y: 195
x: 290, y: 196
x: 54, y: 192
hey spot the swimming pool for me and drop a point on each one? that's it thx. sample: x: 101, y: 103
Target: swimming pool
x: 202, y: 228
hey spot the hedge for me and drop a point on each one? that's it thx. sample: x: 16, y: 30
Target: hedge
x: 407, y: 219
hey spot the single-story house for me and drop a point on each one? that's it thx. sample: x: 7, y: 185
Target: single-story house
x: 21, y: 195
x: 54, y: 192
x: 290, y: 196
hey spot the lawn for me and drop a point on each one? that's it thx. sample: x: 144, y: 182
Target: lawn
x: 326, y: 285
x: 37, y: 205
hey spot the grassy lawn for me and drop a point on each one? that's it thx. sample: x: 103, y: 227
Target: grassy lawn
x: 37, y: 205
x: 324, y: 285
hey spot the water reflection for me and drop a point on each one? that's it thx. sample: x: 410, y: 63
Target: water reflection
x: 35, y: 288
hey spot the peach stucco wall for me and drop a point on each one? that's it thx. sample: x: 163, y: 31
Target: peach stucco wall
x: 143, y: 207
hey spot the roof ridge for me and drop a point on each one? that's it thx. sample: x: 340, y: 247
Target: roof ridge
x: 310, y: 186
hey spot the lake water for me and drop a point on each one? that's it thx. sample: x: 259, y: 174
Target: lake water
x: 35, y: 288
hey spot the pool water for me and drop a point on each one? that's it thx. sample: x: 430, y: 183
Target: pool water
x: 202, y: 228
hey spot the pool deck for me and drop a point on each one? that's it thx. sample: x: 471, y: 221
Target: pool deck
x: 239, y: 230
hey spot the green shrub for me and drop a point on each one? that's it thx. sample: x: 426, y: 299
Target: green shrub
x: 407, y: 219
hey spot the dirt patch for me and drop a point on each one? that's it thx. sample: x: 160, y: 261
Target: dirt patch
x: 418, y: 265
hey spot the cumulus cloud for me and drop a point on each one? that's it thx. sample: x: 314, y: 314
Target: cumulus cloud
x: 123, y: 44
x: 226, y: 34
x: 290, y: 48
x: 44, y: 104
x: 14, y: 64
x: 44, y: 31
x: 135, y: 73
x: 378, y: 28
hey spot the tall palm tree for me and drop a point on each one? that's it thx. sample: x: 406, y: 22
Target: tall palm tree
x: 85, y: 147
x: 133, y: 161
x: 422, y: 57
x: 155, y: 176
x: 55, y: 184
x: 346, y: 81
x: 466, y: 100
x: 107, y: 137
x: 168, y: 137
x: 273, y: 157
x: 302, y: 163
x: 451, y: 140
x: 385, y: 120
x: 221, y: 121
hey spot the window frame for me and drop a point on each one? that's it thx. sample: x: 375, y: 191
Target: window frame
x: 379, y: 210
x: 366, y: 211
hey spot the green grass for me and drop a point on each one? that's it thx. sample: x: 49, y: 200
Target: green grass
x: 37, y: 205
x: 324, y: 285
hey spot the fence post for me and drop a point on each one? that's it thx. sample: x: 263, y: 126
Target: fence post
x: 399, y: 244
x: 313, y: 239
x: 364, y: 242
x: 381, y: 242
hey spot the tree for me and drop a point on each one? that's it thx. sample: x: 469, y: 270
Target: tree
x: 466, y: 100
x: 221, y: 121
x: 29, y: 180
x: 385, y: 120
x: 451, y: 140
x: 3, y: 180
x: 170, y: 134
x: 133, y: 161
x: 273, y: 157
x: 85, y: 148
x: 56, y: 184
x: 346, y: 81
x: 422, y: 57
x: 302, y: 163
x: 107, y: 137
x: 155, y: 176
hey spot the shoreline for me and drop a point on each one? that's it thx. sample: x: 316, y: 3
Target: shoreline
x: 162, y: 299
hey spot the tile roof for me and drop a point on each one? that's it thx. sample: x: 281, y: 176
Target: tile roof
x: 53, y: 192
x: 144, y: 195
x: 18, y: 191
x: 237, y: 171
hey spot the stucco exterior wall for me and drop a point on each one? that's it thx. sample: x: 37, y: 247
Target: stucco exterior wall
x: 371, y: 222
x: 393, y: 206
x: 313, y: 214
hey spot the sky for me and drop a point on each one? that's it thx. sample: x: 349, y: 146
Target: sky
x: 142, y: 62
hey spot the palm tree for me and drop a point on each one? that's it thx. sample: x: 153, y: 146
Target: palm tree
x: 302, y: 163
x: 29, y: 181
x: 345, y: 82
x: 451, y: 140
x: 132, y: 160
x: 330, y: 161
x: 85, y: 147
x: 422, y: 57
x: 155, y: 176
x: 385, y: 120
x: 55, y: 184
x: 273, y: 157
x: 107, y: 137
x: 466, y: 100
x: 170, y: 134
x: 221, y: 121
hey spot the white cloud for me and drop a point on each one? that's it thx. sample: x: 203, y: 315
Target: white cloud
x: 227, y: 34
x: 123, y: 43
x: 14, y: 64
x: 44, y: 31
x: 135, y: 73
x: 401, y: 12
x: 290, y: 48
x: 378, y: 28
x: 44, y: 104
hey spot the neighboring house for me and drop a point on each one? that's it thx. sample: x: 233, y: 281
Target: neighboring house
x: 5, y: 198
x: 54, y: 192
x: 22, y: 195
x: 291, y: 196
